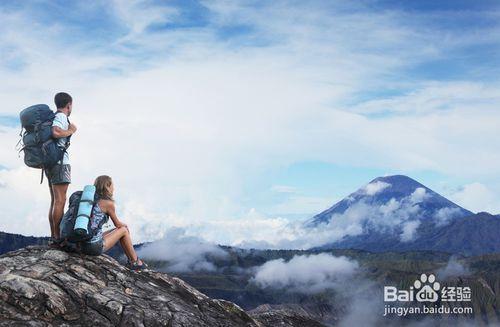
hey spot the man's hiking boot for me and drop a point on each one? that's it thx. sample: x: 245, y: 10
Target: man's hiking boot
x: 55, y: 243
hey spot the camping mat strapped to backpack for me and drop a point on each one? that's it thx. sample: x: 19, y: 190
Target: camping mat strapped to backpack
x: 80, y: 216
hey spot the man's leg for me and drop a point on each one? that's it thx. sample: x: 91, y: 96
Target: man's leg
x: 59, y: 202
x: 50, y: 210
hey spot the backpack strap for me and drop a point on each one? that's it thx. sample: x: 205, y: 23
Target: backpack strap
x: 19, y: 146
x: 19, y: 143
x: 66, y: 146
x: 68, y: 138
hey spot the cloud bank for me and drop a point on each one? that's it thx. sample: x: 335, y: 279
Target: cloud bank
x: 189, y: 114
x: 478, y: 197
x: 453, y: 269
x: 306, y: 274
x: 183, y: 253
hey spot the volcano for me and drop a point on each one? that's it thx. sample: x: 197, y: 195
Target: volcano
x: 397, y: 213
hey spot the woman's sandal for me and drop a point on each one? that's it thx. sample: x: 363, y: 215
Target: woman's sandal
x: 136, y: 266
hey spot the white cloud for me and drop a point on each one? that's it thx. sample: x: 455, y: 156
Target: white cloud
x: 390, y: 207
x: 409, y: 230
x: 138, y: 16
x: 300, y: 205
x: 477, y: 197
x: 307, y: 273
x: 364, y: 306
x: 284, y: 189
x: 453, y: 269
x: 419, y: 195
x: 256, y: 230
x: 444, y: 215
x: 376, y: 187
x: 183, y: 253
x: 24, y: 202
x: 434, y: 97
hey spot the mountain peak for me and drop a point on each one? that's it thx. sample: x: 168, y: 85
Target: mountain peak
x: 396, y: 179
x: 389, y: 202
x: 397, y: 184
x: 46, y: 286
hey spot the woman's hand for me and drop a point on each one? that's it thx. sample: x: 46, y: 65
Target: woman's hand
x: 120, y: 224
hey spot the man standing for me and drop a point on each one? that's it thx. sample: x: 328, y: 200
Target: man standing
x: 59, y: 176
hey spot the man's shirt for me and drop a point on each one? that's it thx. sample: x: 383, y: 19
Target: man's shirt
x: 61, y: 121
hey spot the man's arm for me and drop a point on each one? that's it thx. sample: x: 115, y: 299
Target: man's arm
x: 58, y: 132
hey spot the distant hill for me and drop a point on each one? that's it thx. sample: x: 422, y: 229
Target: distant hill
x: 10, y: 242
x: 472, y: 235
x: 232, y: 281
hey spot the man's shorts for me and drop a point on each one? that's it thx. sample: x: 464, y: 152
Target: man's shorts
x: 59, y: 174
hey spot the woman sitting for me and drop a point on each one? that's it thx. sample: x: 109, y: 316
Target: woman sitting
x: 104, y: 208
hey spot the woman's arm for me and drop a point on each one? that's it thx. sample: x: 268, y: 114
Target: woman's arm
x: 111, y: 211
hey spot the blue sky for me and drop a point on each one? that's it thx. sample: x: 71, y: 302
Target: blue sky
x: 254, y: 110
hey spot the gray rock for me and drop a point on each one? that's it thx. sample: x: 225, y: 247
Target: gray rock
x: 44, y: 287
x: 284, y: 315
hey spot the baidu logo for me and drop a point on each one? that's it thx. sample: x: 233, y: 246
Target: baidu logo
x: 427, y: 289
x: 424, y: 289
x: 429, y: 297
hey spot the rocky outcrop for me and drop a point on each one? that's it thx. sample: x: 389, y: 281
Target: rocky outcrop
x: 41, y: 287
x: 284, y: 315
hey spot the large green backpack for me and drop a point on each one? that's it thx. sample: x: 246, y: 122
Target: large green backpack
x: 40, y: 149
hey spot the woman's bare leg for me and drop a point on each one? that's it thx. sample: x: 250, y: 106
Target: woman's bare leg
x: 121, y: 239
x: 120, y: 234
